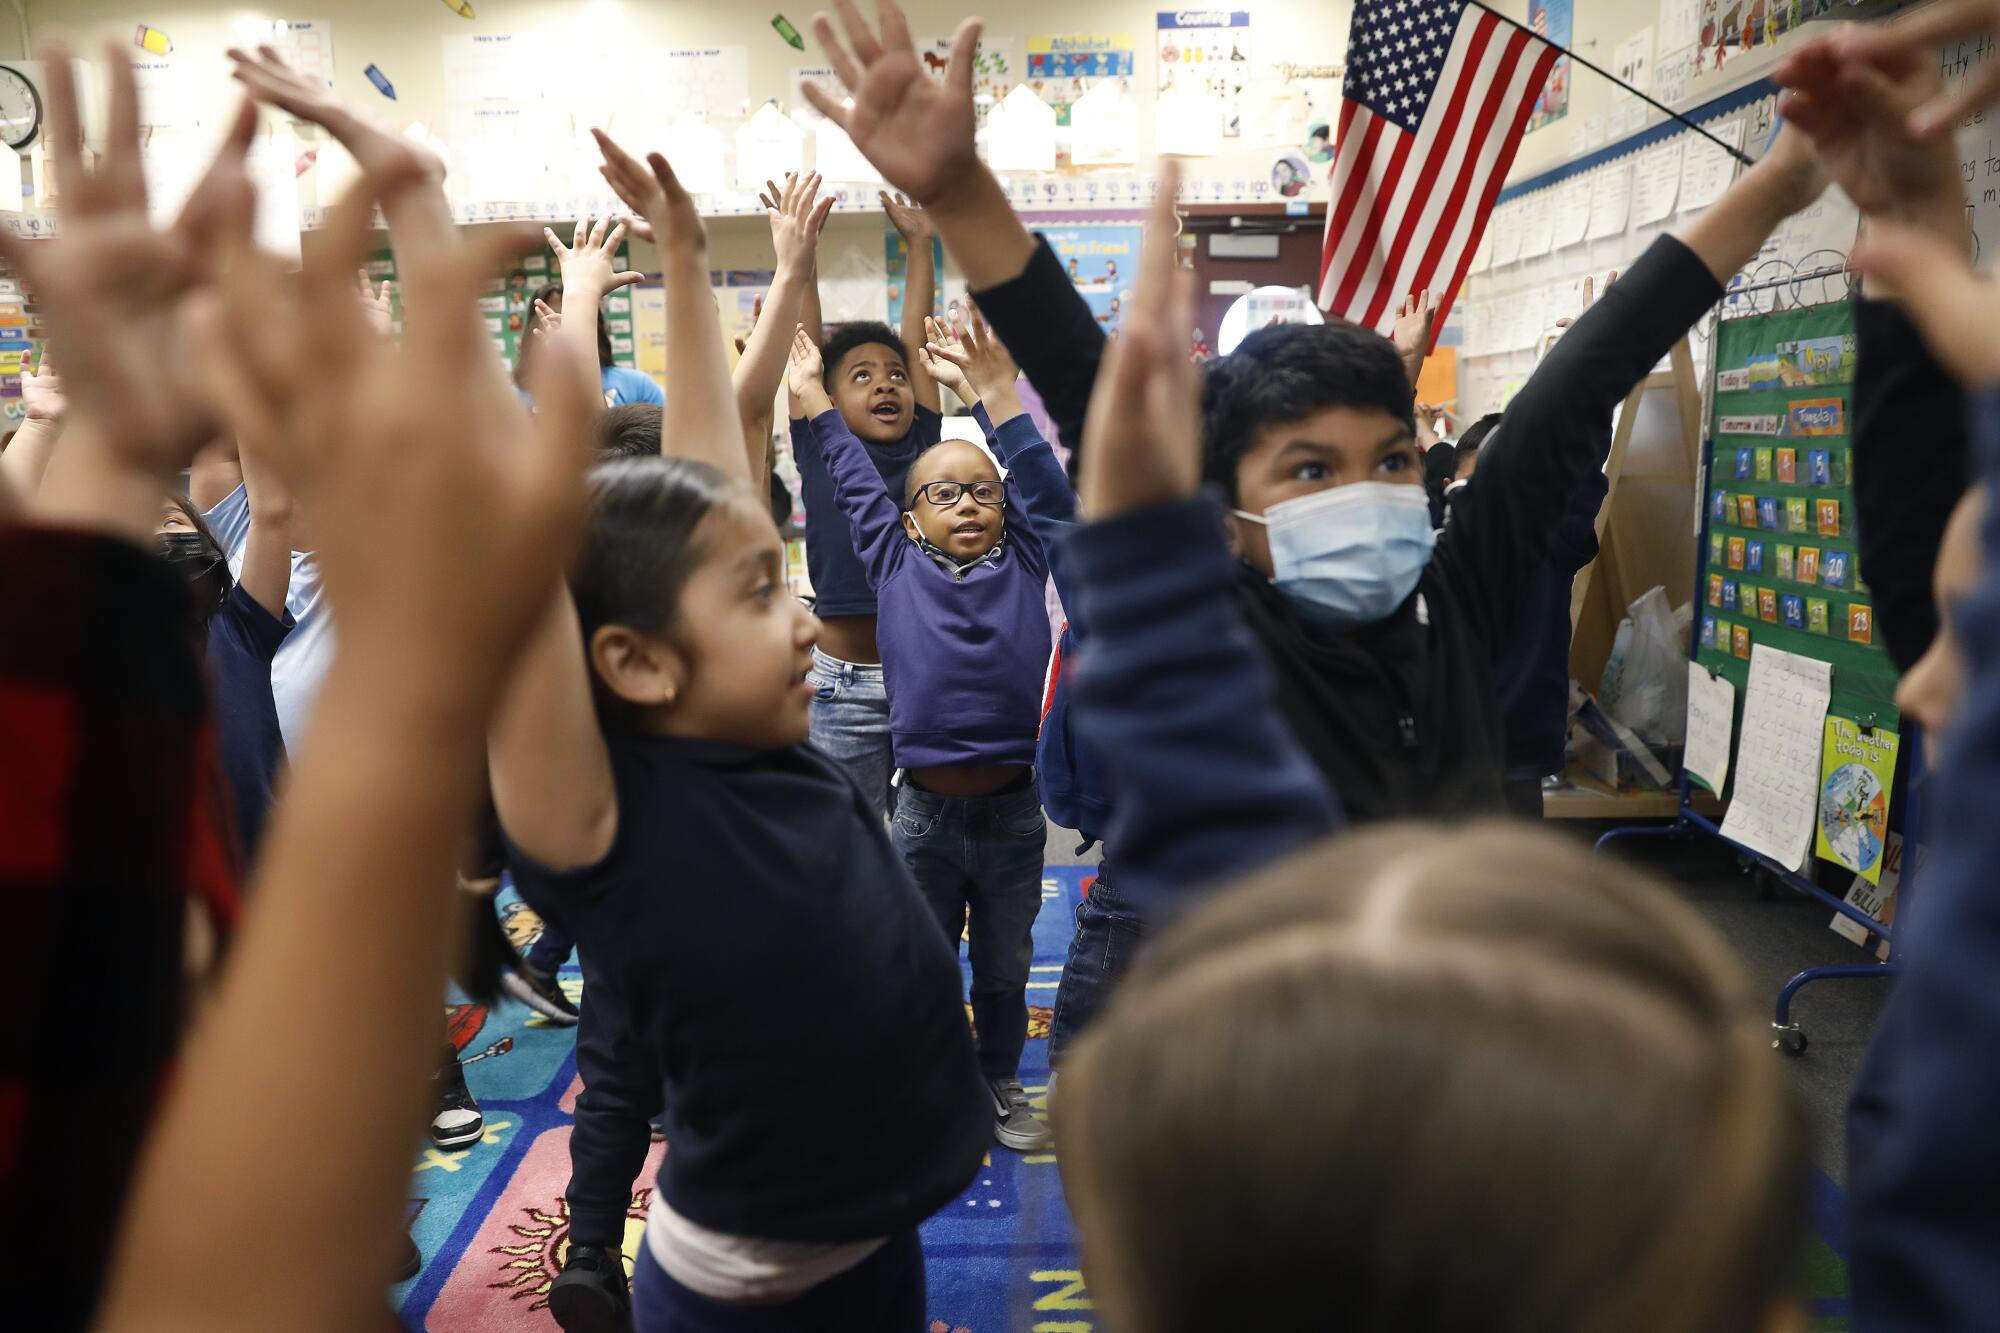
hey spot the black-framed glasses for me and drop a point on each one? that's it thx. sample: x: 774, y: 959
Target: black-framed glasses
x: 945, y: 494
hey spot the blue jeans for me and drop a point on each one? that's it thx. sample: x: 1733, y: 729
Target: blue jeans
x: 1108, y: 937
x: 981, y: 856
x: 850, y: 723
x: 884, y: 1293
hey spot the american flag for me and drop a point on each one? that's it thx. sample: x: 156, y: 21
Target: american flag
x: 1432, y: 107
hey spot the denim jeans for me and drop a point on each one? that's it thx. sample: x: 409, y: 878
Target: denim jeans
x: 981, y: 857
x: 884, y: 1293
x: 1108, y: 937
x: 850, y: 723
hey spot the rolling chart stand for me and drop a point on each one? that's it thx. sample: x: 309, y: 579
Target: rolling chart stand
x: 1687, y: 824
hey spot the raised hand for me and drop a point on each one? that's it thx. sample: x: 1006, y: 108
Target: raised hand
x: 915, y: 130
x: 42, y: 396
x: 1950, y: 302
x: 802, y: 374
x: 1412, y: 333
x: 796, y: 218
x: 978, y: 351
x: 1918, y: 37
x: 1142, y: 438
x: 487, y: 502
x: 652, y: 191
x: 907, y: 218
x: 548, y: 319
x: 586, y: 263
x: 114, y: 286
x: 376, y: 303
x: 1856, y: 112
x: 944, y: 357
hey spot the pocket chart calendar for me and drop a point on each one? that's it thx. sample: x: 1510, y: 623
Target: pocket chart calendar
x: 1777, y: 790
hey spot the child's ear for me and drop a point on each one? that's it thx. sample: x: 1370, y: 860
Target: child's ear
x: 638, y: 668
x: 910, y: 528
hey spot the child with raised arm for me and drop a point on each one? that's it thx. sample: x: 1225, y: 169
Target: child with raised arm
x: 651, y: 777
x: 965, y: 641
x: 890, y: 404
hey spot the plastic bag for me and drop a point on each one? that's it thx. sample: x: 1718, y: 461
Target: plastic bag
x: 1645, y: 679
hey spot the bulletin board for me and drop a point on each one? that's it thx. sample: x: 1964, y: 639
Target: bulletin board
x: 1783, y: 409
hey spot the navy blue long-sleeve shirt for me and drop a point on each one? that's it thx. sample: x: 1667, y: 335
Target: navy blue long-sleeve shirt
x: 963, y: 650
x: 1922, y: 1186
x: 1171, y: 690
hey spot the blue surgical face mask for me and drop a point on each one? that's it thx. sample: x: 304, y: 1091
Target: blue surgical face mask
x: 1354, y: 551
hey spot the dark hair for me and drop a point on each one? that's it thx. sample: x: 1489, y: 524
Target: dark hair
x: 844, y: 338
x: 1288, y: 373
x: 631, y: 430
x: 551, y: 292
x: 641, y: 547
x: 1475, y: 435
x: 197, y: 522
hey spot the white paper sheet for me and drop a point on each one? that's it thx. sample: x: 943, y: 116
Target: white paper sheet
x: 1711, y: 725
x: 1628, y: 119
x: 695, y: 151
x: 169, y: 96
x: 1188, y: 123
x: 837, y: 159
x: 10, y: 180
x: 1671, y: 72
x: 1021, y: 133
x: 1705, y: 169
x: 1680, y: 24
x: 1482, y: 256
x: 1570, y: 217
x: 1656, y: 180
x: 768, y: 147
x: 489, y: 67
x: 712, y: 81
x: 1537, y: 223
x: 1610, y: 200
x: 1632, y: 62
x: 1777, y: 760
x: 1506, y: 227
x: 1104, y: 126
x: 306, y: 44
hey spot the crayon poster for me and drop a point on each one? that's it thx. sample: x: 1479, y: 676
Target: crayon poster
x: 1857, y: 770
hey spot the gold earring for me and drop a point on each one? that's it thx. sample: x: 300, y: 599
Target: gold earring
x: 667, y: 696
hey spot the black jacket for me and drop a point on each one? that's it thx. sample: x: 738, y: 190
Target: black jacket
x: 1401, y: 717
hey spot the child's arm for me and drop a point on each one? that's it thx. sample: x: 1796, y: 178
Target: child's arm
x: 587, y: 273
x: 266, y: 572
x: 1170, y: 688
x: 1554, y: 429
x: 1412, y: 334
x: 873, y: 517
x: 919, y: 290
x: 1920, y: 1178
x: 1858, y: 119
x: 427, y: 575
x: 26, y: 456
x: 704, y: 423
x: 795, y: 226
x: 918, y: 132
x: 970, y: 350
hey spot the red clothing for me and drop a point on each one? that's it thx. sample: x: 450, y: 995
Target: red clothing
x: 112, y: 823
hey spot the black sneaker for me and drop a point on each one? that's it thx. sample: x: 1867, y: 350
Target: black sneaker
x: 540, y: 991
x: 412, y: 1261
x: 590, y: 1296
x: 1014, y: 1123
x: 456, y: 1123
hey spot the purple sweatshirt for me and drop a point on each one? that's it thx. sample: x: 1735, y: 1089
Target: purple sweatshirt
x: 964, y: 650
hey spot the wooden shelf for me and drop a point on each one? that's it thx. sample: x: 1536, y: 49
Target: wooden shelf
x: 1584, y: 797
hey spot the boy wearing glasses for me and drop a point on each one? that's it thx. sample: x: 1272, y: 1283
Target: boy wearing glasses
x: 965, y: 643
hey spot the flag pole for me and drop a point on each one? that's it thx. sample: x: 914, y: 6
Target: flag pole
x: 1736, y: 153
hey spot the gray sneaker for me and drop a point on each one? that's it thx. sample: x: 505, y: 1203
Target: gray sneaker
x: 1014, y: 1124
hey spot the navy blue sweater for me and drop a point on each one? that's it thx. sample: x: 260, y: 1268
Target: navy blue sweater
x: 963, y: 649
x: 758, y: 933
x: 840, y: 585
x: 1924, y: 1179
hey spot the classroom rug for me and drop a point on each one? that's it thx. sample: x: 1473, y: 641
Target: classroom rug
x: 1002, y: 1258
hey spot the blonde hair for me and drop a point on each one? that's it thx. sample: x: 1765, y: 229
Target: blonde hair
x: 1416, y: 1079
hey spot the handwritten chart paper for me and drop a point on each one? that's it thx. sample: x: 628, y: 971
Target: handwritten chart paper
x: 1610, y: 200
x: 1711, y: 726
x: 1706, y: 170
x: 1776, y: 803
